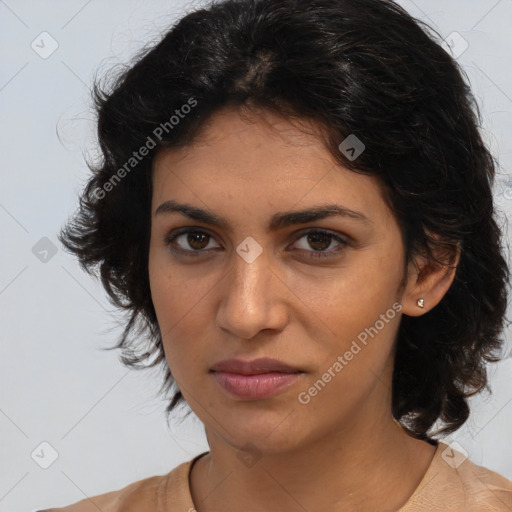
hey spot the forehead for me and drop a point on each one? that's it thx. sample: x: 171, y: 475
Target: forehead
x: 258, y: 162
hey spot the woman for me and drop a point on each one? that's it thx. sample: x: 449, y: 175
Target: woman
x: 295, y: 204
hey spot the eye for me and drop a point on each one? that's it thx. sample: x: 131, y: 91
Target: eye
x: 193, y: 242
x: 320, y: 240
x: 195, y: 239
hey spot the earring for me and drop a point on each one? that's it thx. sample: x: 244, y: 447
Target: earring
x: 420, y: 303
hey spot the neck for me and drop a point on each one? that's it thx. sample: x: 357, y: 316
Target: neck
x: 370, y: 464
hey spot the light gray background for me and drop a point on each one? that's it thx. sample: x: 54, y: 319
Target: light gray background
x: 106, y: 422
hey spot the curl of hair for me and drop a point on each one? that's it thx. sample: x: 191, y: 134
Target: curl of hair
x: 362, y: 67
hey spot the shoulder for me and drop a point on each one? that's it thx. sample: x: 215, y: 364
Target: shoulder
x: 150, y: 494
x: 485, y: 489
x: 137, y: 496
x: 454, y: 483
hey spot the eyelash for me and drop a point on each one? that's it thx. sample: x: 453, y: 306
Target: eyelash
x: 313, y: 254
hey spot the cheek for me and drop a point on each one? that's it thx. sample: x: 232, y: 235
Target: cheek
x: 170, y: 291
x: 352, y: 362
x: 345, y: 300
x: 167, y: 300
x: 179, y: 301
x: 353, y: 313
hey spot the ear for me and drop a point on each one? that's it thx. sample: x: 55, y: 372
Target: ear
x: 428, y: 279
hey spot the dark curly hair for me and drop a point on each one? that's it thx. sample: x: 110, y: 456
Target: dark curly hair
x: 362, y: 67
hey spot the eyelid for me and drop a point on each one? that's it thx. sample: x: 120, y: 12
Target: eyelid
x: 343, y: 240
x: 168, y: 239
x: 335, y: 234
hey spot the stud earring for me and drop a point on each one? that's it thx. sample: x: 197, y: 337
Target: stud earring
x: 420, y: 303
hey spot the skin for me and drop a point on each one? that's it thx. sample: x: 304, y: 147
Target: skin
x: 343, y: 450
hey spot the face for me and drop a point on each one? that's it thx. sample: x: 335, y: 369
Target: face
x: 319, y: 294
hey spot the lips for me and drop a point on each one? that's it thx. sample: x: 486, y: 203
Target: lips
x: 254, y: 380
x: 254, y: 367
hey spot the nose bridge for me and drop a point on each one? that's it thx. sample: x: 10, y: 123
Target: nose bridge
x: 250, y: 280
x: 248, y: 303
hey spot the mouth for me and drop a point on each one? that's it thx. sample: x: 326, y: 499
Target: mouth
x: 256, y: 386
x: 254, y: 367
x: 256, y: 379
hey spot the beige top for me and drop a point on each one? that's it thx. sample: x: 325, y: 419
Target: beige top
x: 451, y: 483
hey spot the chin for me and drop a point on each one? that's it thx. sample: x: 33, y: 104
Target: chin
x: 260, y: 435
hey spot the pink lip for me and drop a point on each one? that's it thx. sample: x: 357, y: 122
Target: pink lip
x: 256, y: 379
x: 254, y: 367
x: 255, y: 387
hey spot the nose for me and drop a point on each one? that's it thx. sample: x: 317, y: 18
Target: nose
x: 253, y: 298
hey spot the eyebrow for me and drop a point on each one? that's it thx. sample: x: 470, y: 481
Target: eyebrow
x: 278, y: 221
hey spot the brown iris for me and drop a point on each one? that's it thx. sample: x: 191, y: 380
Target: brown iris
x: 198, y: 240
x: 315, y: 239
